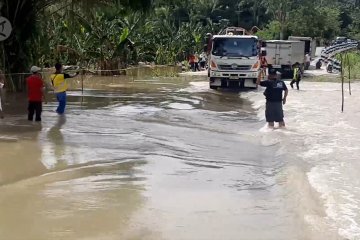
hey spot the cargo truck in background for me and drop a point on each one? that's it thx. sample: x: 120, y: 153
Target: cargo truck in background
x: 234, y: 60
x: 283, y: 54
x: 310, y: 44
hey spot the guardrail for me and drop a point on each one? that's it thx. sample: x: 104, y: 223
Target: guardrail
x: 329, y: 53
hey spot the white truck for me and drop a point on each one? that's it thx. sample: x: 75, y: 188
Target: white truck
x: 234, y: 61
x: 283, y: 54
x: 310, y: 44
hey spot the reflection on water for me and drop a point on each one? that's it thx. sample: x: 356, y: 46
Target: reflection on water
x: 20, y: 155
x: 56, y: 138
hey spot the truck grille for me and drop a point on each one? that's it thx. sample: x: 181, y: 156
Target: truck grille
x: 238, y: 67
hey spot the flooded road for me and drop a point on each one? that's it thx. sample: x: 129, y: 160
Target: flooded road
x: 160, y: 159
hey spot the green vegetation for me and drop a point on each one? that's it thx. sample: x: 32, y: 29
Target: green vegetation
x: 352, y: 66
x: 111, y: 34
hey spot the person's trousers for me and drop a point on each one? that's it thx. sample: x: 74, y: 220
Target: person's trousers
x: 35, y: 107
x: 197, y: 67
x: 192, y: 66
x: 297, y: 83
x: 61, y: 97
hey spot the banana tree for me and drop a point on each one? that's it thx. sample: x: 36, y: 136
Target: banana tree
x: 24, y: 14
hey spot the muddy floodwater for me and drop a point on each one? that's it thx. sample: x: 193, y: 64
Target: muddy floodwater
x: 171, y: 159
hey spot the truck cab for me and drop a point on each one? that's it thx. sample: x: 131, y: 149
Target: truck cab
x: 234, y: 61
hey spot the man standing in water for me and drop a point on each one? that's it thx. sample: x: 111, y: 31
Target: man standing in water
x: 58, y: 80
x: 36, y: 94
x: 274, y: 100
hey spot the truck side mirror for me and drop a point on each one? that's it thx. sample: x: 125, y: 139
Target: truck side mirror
x: 263, y: 53
x: 263, y: 44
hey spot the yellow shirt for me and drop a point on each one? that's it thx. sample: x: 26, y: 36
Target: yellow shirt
x: 296, y: 70
x: 59, y: 82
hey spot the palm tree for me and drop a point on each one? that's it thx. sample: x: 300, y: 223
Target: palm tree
x: 280, y: 10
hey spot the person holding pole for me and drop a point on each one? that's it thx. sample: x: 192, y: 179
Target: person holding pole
x: 58, y: 80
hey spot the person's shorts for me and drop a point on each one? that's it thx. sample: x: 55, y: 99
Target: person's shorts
x: 274, y: 112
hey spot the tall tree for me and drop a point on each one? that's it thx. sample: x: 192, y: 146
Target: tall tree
x: 280, y: 10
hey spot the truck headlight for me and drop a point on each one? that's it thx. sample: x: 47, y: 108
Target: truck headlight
x: 256, y: 65
x: 254, y: 74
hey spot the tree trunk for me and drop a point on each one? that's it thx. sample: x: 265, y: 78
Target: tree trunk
x: 15, y: 64
x: 282, y: 30
x: 17, y: 48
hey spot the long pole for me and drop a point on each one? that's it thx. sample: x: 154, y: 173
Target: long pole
x: 342, y: 82
x: 82, y: 86
x: 349, y: 69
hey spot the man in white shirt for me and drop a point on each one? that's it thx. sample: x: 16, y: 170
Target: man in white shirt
x: 307, y: 61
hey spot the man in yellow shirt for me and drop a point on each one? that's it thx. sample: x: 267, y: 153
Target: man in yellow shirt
x: 296, y: 76
x: 58, y: 80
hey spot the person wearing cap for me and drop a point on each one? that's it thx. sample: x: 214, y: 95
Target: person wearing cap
x: 274, y: 99
x: 36, y: 94
x: 58, y: 80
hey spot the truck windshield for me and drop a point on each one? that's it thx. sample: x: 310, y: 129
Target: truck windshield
x: 235, y: 47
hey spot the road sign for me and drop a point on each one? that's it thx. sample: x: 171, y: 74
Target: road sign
x: 5, y: 28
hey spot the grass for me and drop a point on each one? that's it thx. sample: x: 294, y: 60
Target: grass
x: 325, y: 78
